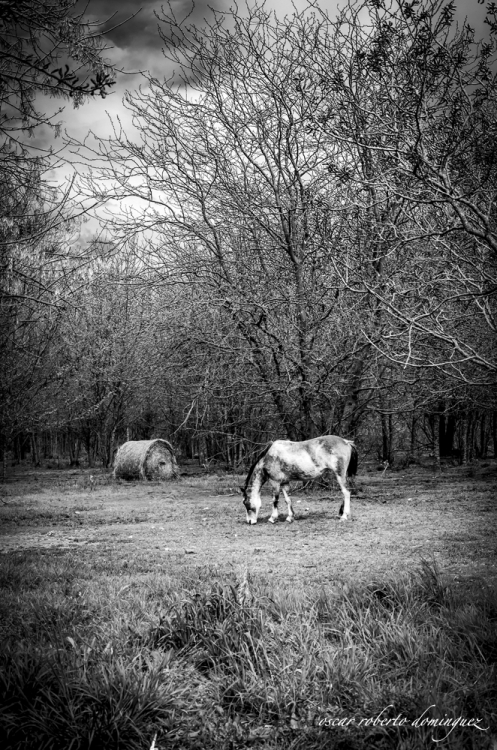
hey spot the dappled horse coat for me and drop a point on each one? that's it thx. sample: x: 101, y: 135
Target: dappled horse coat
x: 284, y: 461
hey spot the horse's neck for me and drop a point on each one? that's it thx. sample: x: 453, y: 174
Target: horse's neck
x: 257, y: 482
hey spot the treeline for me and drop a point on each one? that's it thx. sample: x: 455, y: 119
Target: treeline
x: 131, y: 360
x: 311, y: 249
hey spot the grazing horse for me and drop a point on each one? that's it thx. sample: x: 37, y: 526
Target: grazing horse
x: 284, y: 461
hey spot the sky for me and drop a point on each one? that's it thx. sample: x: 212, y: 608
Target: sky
x: 135, y: 45
x: 131, y: 33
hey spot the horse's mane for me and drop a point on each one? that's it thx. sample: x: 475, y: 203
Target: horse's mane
x: 251, y: 470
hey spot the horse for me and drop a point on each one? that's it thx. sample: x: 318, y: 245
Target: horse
x: 283, y: 461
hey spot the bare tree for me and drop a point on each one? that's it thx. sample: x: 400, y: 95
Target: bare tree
x: 411, y: 98
x: 232, y: 182
x: 45, y: 48
x: 305, y: 194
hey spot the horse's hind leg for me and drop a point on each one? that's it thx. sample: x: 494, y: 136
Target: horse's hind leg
x: 288, y: 500
x: 341, y: 479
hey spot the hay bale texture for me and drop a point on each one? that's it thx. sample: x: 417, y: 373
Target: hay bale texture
x: 145, y: 459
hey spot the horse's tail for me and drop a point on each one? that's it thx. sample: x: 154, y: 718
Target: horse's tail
x: 353, y: 460
x: 251, y: 470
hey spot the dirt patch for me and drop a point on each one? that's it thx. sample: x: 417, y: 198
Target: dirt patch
x: 397, y: 520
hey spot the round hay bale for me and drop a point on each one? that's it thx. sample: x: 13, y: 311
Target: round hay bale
x: 145, y: 459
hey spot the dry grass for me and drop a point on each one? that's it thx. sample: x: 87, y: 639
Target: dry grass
x: 155, y: 612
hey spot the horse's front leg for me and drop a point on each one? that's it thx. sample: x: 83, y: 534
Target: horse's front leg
x: 288, y: 500
x: 276, y: 496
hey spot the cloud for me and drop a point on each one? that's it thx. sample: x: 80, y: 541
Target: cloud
x: 135, y: 45
x: 134, y: 25
x: 132, y: 31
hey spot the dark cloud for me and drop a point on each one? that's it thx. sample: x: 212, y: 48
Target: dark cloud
x: 136, y: 46
x: 127, y: 23
x: 130, y: 30
x: 132, y: 25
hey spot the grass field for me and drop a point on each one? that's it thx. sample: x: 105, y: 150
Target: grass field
x: 143, y: 615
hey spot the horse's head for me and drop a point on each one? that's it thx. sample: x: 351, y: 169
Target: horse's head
x: 251, y: 511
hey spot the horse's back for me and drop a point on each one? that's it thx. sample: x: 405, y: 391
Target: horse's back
x: 330, y: 442
x: 306, y: 458
x: 334, y: 444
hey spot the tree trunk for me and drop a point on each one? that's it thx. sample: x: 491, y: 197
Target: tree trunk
x: 351, y: 409
x: 472, y: 424
x: 89, y: 453
x: 35, y: 451
x: 73, y: 447
x: 484, y: 437
x: 387, y: 438
x: 17, y: 450
x: 450, y: 434
x: 3, y: 451
x: 437, y: 418
x: 412, y: 438
x: 391, y: 452
x: 464, y: 439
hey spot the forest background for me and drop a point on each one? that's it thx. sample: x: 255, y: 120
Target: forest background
x: 296, y: 235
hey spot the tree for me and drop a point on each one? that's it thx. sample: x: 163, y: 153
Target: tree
x: 104, y: 336
x: 233, y: 185
x: 44, y: 49
x: 323, y: 281
x: 412, y: 101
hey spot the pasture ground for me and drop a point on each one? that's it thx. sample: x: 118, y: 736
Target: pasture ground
x: 397, y: 520
x: 102, y: 573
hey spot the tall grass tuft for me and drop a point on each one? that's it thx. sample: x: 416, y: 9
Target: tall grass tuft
x: 50, y: 700
x: 211, y: 629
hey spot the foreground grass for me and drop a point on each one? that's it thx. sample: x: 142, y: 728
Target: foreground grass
x: 114, y: 659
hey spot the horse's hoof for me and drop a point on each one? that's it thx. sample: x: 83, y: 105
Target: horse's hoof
x: 289, y: 519
x: 271, y: 520
x: 344, y: 518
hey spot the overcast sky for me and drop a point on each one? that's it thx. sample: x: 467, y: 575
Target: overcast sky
x: 134, y: 45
